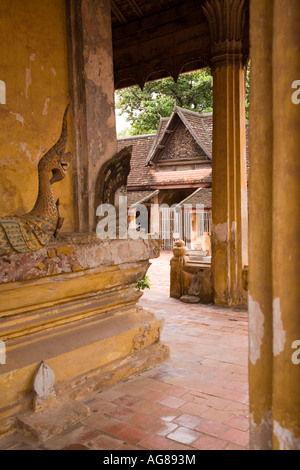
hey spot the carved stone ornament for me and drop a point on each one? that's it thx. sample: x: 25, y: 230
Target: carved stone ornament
x: 113, y: 176
x: 226, y: 19
x: 43, y: 385
x: 31, y: 231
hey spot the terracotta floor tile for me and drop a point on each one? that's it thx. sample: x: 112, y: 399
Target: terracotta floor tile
x: 210, y: 427
x: 156, y: 443
x: 156, y: 385
x: 176, y: 391
x: 209, y: 443
x: 172, y: 402
x: 217, y: 403
x: 113, y: 426
x: 132, y: 435
x: 188, y: 421
x: 238, y: 422
x: 101, y: 405
x: 194, y: 409
x: 218, y: 416
x: 177, y: 446
x: 126, y: 400
x: 127, y: 447
x: 104, y: 443
x: 142, y: 420
x: 75, y: 447
x: 167, y: 414
x: 162, y: 428
x: 121, y: 412
x: 184, y: 435
x: 153, y: 395
x: 236, y: 436
x: 234, y: 447
x: 146, y: 406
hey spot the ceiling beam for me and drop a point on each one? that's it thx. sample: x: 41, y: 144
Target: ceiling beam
x: 136, y: 8
x: 117, y: 12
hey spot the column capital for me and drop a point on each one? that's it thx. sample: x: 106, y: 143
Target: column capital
x: 226, y: 19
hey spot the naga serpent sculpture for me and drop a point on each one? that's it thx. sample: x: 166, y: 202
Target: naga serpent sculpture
x: 31, y: 231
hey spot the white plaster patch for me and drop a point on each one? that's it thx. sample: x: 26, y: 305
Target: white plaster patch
x: 221, y: 232
x: 279, y: 335
x: 286, y: 438
x: 32, y: 57
x: 233, y: 229
x: 45, y: 108
x: 23, y: 146
x: 53, y: 71
x: 27, y: 81
x: 256, y: 329
x: 18, y: 117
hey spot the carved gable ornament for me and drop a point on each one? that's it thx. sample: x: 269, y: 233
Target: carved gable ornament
x: 179, y: 139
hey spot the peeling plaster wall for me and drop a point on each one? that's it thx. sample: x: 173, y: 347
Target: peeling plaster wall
x: 92, y: 86
x: 33, y: 66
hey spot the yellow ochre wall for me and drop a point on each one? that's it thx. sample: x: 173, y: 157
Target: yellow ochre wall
x: 33, y: 65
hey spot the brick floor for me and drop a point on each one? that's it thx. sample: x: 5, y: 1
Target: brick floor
x: 197, y: 399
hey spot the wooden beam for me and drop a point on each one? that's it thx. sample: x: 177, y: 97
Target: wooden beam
x: 136, y: 8
x: 117, y: 12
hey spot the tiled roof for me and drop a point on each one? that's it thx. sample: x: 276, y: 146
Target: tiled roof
x: 201, y: 175
x: 139, y: 173
x: 143, y: 148
x: 200, y: 196
x: 136, y: 196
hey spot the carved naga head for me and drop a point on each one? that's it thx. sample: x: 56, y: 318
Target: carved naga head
x: 56, y: 160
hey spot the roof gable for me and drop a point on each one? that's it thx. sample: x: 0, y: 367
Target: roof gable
x: 182, y: 136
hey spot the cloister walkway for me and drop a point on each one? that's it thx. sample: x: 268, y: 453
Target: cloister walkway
x: 197, y: 399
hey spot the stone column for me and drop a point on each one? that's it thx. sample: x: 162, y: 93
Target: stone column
x: 176, y: 264
x: 286, y: 226
x: 229, y: 177
x: 92, y: 95
x: 274, y: 295
x: 260, y: 234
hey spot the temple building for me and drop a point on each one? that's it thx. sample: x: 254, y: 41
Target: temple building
x: 70, y: 323
x: 172, y: 168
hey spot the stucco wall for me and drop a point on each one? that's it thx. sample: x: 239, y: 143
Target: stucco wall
x: 33, y: 65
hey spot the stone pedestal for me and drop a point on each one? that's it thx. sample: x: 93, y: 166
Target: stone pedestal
x: 73, y: 306
x: 178, y: 260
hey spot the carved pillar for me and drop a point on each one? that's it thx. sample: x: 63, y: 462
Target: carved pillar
x: 286, y: 226
x: 260, y: 234
x: 274, y: 327
x: 92, y: 96
x: 229, y: 177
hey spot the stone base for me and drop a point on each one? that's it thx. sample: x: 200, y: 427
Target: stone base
x: 190, y: 299
x: 52, y: 421
x: 83, y: 323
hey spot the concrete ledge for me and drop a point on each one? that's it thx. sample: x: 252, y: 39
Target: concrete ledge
x: 52, y: 421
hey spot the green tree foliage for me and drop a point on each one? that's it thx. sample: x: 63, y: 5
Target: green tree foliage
x: 145, y: 107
